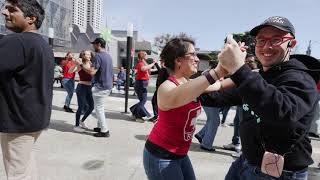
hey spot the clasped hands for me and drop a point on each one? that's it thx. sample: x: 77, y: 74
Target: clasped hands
x: 231, y: 58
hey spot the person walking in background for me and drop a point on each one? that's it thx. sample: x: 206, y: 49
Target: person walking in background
x: 163, y: 75
x: 102, y: 72
x: 26, y: 73
x: 138, y: 110
x: 207, y: 134
x: 58, y: 74
x: 121, y: 78
x: 68, y: 81
x: 165, y: 153
x: 83, y: 90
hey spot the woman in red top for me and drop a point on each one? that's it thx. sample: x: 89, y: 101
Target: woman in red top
x: 165, y: 154
x: 141, y: 84
x: 83, y: 90
x: 68, y: 81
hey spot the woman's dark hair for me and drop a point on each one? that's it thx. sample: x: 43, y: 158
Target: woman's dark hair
x: 30, y: 8
x: 175, y: 48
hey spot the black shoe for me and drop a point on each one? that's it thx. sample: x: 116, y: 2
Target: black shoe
x: 97, y: 129
x: 65, y: 108
x: 153, y: 119
x: 206, y: 149
x: 311, y: 134
x: 199, y: 138
x: 70, y: 110
x: 102, y: 134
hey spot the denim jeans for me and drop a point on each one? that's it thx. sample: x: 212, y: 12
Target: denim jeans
x: 209, y: 130
x: 68, y: 84
x: 242, y: 170
x: 98, y: 98
x: 120, y: 83
x: 167, y: 169
x: 138, y: 110
x: 225, y: 111
x: 84, y: 96
x: 236, y: 128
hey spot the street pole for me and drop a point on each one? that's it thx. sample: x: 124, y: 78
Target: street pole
x: 51, y: 35
x: 308, y: 52
x: 130, y: 54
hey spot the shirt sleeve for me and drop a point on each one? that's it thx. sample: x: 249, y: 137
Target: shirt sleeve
x: 96, y: 62
x: 11, y: 53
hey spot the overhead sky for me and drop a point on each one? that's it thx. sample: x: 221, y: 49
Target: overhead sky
x: 209, y: 21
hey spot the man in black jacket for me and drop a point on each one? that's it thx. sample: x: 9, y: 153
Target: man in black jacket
x: 26, y: 73
x: 278, y: 103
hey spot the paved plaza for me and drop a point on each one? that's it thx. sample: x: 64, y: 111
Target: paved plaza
x: 63, y: 154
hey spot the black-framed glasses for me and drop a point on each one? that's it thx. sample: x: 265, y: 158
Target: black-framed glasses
x: 274, y: 41
x: 193, y: 54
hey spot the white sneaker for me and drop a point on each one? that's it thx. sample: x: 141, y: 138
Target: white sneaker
x: 83, y: 125
x: 140, y: 120
x: 232, y: 147
x: 78, y: 129
x: 224, y: 125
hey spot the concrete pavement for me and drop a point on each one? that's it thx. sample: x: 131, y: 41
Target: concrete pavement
x: 63, y: 154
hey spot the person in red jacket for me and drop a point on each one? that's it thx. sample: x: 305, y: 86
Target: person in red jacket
x: 68, y: 81
x: 166, y: 149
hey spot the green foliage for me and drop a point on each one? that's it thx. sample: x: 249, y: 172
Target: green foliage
x: 161, y: 41
x: 247, y: 39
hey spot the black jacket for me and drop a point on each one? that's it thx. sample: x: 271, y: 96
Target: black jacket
x: 283, y: 100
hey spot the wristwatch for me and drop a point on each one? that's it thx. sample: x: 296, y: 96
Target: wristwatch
x: 209, y: 77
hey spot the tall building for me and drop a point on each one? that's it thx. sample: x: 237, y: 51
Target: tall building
x: 94, y: 14
x: 79, y: 13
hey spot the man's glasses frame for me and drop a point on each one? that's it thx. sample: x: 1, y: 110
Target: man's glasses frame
x: 274, y: 41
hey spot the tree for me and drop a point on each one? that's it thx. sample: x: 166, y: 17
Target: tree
x: 161, y: 40
x: 247, y: 39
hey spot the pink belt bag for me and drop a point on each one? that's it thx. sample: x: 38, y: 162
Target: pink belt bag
x: 272, y: 164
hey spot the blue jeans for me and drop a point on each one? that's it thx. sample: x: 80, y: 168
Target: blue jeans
x: 68, y: 84
x: 209, y: 130
x: 242, y: 170
x: 99, y: 98
x: 84, y: 96
x: 138, y: 110
x: 225, y: 111
x: 236, y: 128
x: 120, y: 83
x: 167, y: 169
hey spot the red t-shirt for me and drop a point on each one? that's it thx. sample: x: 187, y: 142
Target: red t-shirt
x: 66, y: 69
x: 141, y: 75
x: 174, y: 128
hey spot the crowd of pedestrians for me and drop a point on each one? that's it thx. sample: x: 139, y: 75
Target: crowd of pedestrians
x: 277, y: 105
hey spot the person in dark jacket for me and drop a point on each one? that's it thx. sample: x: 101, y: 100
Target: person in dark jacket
x: 278, y: 102
x: 26, y: 73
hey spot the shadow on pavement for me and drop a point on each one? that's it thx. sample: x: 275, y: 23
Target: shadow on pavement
x: 141, y: 137
x: 314, y: 173
x: 58, y: 89
x: 93, y: 164
x: 119, y: 95
x: 62, y: 126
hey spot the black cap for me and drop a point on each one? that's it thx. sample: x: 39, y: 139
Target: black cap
x: 278, y: 22
x: 99, y: 41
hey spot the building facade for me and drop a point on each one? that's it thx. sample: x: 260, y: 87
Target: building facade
x: 79, y: 13
x: 58, y: 16
x: 94, y: 14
